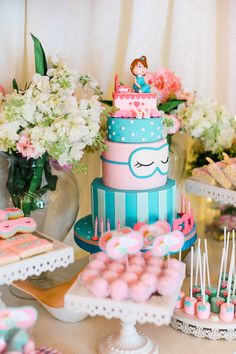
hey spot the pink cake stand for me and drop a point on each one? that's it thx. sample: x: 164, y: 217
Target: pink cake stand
x: 157, y: 310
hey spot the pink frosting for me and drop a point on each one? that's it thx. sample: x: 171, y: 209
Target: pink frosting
x: 99, y: 287
x: 137, y: 260
x: 180, y: 300
x: 119, y: 176
x: 153, y: 270
x: 119, y: 290
x: 190, y: 305
x: 110, y: 275
x: 102, y: 256
x: 149, y: 280
x: 204, y: 310
x: 137, y: 269
x: 133, y: 101
x: 174, y: 273
x: 172, y: 263
x: 154, y: 261
x: 116, y: 267
x: 227, y: 312
x: 137, y: 113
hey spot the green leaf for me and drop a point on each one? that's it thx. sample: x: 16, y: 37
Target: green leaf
x: 15, y: 86
x: 170, y: 105
x: 107, y: 102
x: 39, y: 57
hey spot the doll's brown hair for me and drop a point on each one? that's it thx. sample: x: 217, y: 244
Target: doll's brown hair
x: 142, y: 60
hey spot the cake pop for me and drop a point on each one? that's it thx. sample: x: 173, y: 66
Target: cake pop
x: 203, y: 307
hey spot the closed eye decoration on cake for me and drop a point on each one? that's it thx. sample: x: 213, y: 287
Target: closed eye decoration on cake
x: 144, y: 162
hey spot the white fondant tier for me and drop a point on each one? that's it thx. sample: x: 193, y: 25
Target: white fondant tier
x: 130, y: 207
x: 135, y: 166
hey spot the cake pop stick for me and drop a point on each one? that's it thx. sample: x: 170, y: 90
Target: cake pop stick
x: 218, y: 300
x: 95, y: 236
x: 226, y: 256
x: 190, y: 301
x: 181, y: 296
x: 196, y: 288
x: 180, y: 255
x: 210, y: 291
x: 203, y: 307
x: 227, y: 309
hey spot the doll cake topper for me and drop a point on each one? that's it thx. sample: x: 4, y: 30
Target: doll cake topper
x: 139, y: 68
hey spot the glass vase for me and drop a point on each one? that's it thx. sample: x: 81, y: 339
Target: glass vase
x: 53, y: 201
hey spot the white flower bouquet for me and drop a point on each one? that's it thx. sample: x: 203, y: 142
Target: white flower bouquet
x: 48, y: 121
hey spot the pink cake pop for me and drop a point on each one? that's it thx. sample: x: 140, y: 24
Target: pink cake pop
x: 129, y: 277
x: 153, y: 270
x: 137, y: 269
x: 140, y: 292
x: 102, y: 256
x: 154, y: 261
x: 137, y: 260
x: 227, y: 309
x: 166, y: 285
x: 180, y: 300
x: 174, y: 273
x: 99, y: 287
x: 87, y: 275
x: 173, y: 263
x: 116, y: 267
x: 119, y: 290
x: 149, y: 280
x: 196, y: 288
x: 203, y: 307
x: 190, y: 301
x: 110, y: 276
x: 96, y: 264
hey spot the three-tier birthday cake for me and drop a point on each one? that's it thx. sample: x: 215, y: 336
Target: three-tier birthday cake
x: 135, y: 188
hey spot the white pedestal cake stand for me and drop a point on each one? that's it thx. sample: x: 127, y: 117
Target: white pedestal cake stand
x: 227, y: 196
x: 213, y: 328
x: 157, y: 310
x: 61, y: 255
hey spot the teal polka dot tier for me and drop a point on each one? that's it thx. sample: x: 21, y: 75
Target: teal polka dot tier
x: 128, y: 130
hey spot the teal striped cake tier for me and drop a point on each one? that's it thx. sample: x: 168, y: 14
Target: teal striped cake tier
x: 130, y: 207
x: 128, y: 130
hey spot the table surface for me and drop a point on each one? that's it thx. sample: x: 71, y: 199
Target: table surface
x: 83, y: 337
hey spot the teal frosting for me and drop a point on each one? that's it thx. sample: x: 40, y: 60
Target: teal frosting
x: 131, y: 206
x: 128, y: 130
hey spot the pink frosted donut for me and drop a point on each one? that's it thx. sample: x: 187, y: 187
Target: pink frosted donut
x: 119, y: 290
x: 116, y: 267
x: 137, y: 260
x: 96, y: 264
x: 154, y: 261
x: 153, y: 270
x: 140, y: 292
x: 129, y: 277
x: 99, y: 287
x: 149, y: 280
x: 87, y: 275
x: 110, y: 276
x: 137, y: 269
x: 166, y: 286
x: 102, y: 256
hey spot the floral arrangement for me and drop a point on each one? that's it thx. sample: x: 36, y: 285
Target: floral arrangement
x: 51, y: 120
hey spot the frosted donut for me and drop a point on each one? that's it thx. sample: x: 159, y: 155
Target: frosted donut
x: 14, y: 213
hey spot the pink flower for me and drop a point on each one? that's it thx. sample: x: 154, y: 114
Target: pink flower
x: 25, y: 147
x: 2, y: 90
x: 166, y: 83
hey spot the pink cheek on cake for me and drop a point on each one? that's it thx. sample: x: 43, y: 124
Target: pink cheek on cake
x: 88, y: 275
x: 129, y: 277
x: 110, y: 276
x: 101, y: 256
x: 149, y: 280
x: 166, y: 286
x: 96, y: 264
x: 140, y: 292
x: 116, y: 267
x: 99, y: 287
x: 119, y: 290
x: 137, y: 260
x: 136, y: 269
